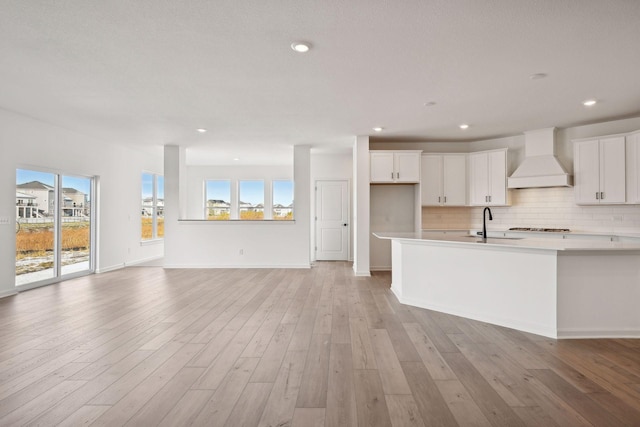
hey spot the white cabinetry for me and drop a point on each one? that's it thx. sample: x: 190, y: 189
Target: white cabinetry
x: 395, y: 166
x: 488, y: 178
x: 599, y: 168
x: 633, y: 168
x: 444, y: 179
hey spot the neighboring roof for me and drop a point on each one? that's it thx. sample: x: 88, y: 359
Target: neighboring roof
x: 24, y: 196
x: 34, y: 185
x: 68, y: 190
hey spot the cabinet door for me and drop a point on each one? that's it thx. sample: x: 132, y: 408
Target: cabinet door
x: 407, y: 167
x: 381, y: 167
x: 478, y: 176
x: 454, y: 180
x: 431, y: 182
x: 633, y: 168
x: 586, y: 157
x: 497, y: 177
x: 612, y: 170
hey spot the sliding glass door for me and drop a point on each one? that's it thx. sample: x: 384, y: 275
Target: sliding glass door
x: 55, y: 226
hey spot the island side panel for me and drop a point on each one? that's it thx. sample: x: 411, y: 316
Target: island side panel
x: 507, y: 287
x: 599, y: 294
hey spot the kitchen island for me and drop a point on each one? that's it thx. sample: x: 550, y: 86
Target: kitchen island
x: 559, y: 288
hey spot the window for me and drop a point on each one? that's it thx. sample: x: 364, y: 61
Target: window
x: 282, y: 200
x: 55, y: 226
x: 251, y: 200
x: 217, y: 200
x: 152, y: 206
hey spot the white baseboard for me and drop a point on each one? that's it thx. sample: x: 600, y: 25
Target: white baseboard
x: 142, y: 261
x: 8, y: 293
x: 238, y: 266
x: 380, y: 268
x: 597, y: 333
x: 362, y: 273
x: 110, y: 268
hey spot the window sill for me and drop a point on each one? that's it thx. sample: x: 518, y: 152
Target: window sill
x: 237, y: 221
x: 151, y: 242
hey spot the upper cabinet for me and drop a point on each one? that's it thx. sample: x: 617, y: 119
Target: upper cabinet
x: 599, y: 169
x: 488, y: 178
x: 395, y: 166
x: 444, y: 180
x: 633, y: 168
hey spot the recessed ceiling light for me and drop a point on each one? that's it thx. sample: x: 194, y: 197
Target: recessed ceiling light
x: 429, y: 104
x: 201, y: 130
x: 537, y: 76
x: 378, y: 129
x: 589, y: 102
x: 300, y: 47
x: 236, y: 159
x: 464, y: 126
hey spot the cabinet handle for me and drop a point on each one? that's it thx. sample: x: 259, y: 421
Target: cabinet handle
x: 445, y: 199
x: 597, y: 196
x: 602, y: 195
x: 398, y: 175
x: 438, y: 199
x: 391, y: 175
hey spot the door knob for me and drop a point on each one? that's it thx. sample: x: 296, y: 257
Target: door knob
x: 344, y: 225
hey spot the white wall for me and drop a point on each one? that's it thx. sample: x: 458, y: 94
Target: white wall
x: 331, y: 166
x: 361, y: 208
x: 269, y: 244
x: 28, y: 143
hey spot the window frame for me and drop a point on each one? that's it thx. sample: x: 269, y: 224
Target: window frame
x: 206, y: 199
x: 154, y: 205
x: 264, y: 187
x: 293, y: 194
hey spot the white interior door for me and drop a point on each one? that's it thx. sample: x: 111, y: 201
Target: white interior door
x: 332, y: 220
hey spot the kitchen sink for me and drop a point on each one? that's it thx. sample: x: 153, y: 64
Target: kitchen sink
x: 496, y: 237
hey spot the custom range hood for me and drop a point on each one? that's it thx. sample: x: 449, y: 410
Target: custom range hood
x: 540, y: 167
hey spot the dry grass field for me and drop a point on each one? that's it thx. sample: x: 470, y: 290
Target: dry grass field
x: 255, y: 216
x: 147, y: 228
x: 37, y: 239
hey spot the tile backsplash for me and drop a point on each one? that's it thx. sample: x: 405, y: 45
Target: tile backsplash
x: 538, y: 207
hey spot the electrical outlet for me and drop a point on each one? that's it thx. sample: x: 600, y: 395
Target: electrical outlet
x: 4, y: 220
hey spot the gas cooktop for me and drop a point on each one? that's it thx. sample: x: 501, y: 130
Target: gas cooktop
x: 548, y: 230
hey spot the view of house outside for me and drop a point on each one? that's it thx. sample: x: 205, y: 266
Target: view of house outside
x: 218, y: 197
x: 283, y: 200
x: 152, y: 206
x: 35, y: 218
x: 251, y: 200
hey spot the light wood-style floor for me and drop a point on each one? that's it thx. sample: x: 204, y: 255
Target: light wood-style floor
x: 147, y: 346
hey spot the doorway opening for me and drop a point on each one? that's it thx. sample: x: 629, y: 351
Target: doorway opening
x: 55, y: 227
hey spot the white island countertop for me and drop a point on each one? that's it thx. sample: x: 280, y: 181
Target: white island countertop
x: 466, y: 239
x: 557, y: 286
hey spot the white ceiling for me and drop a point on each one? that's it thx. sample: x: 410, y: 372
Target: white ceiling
x: 152, y: 71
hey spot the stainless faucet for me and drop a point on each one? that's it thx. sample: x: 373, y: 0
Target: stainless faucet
x: 484, y: 222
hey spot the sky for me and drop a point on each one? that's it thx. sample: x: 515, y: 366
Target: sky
x: 147, y: 186
x: 251, y: 191
x: 79, y: 183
